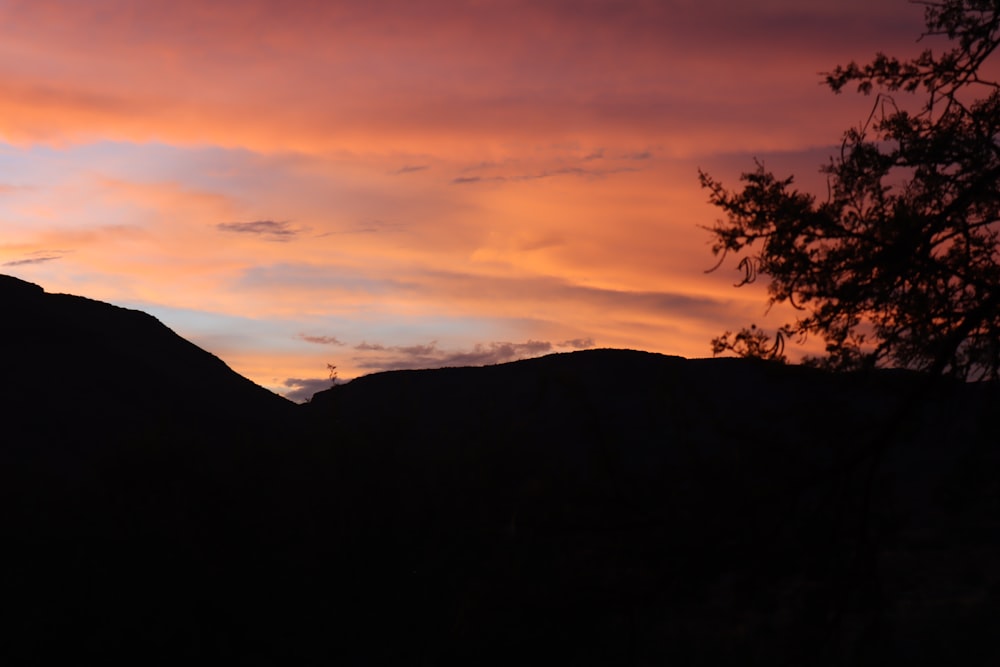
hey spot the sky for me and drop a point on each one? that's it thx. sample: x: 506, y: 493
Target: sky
x: 397, y: 184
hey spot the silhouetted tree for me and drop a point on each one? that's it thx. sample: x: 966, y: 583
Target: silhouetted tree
x: 899, y: 265
x: 751, y: 342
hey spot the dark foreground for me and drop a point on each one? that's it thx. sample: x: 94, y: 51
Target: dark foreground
x: 603, y: 507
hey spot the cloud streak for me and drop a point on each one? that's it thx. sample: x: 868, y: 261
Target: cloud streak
x: 272, y: 230
x: 407, y: 357
x: 32, y: 260
x: 577, y: 343
x: 321, y: 340
x: 301, y: 390
x: 570, y: 166
x: 409, y: 169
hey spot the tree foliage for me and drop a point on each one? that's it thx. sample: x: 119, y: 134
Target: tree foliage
x: 751, y: 342
x: 898, y: 264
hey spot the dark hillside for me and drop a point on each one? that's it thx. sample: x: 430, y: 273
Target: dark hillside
x: 618, y: 507
x: 601, y: 507
x: 72, y: 366
x: 134, y: 469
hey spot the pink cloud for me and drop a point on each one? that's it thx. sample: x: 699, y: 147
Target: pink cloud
x: 527, y: 164
x: 315, y: 76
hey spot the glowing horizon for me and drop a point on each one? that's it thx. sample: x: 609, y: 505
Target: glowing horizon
x: 407, y: 185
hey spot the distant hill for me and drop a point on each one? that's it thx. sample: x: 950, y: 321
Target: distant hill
x: 72, y: 365
x: 600, y: 507
x: 624, y: 507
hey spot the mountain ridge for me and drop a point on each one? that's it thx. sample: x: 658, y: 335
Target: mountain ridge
x: 596, y: 507
x: 106, y: 355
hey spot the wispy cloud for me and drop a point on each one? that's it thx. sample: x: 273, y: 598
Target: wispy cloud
x: 410, y: 168
x: 573, y: 171
x: 376, y: 357
x: 546, y: 173
x: 321, y: 340
x: 427, y: 350
x: 559, y: 164
x: 400, y: 357
x: 273, y: 230
x: 36, y: 258
x: 553, y: 292
x: 301, y: 390
x: 577, y: 343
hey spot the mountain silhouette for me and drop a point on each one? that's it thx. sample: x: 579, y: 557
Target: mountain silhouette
x: 597, y: 507
x: 116, y: 369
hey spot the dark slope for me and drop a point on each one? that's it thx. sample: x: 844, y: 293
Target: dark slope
x: 602, y: 507
x: 617, y: 507
x: 135, y: 469
x: 73, y: 367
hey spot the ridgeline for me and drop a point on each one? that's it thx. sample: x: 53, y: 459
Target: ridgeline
x: 600, y: 507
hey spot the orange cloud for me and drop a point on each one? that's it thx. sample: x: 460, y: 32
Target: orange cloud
x: 475, y: 174
x: 334, y: 75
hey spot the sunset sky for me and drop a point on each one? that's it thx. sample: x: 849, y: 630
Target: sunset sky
x: 411, y: 184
